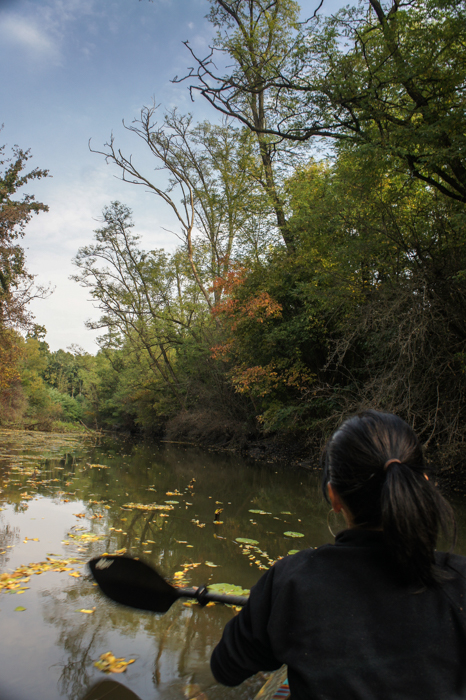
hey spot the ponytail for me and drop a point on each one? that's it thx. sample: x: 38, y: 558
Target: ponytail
x: 412, y: 514
x: 375, y: 463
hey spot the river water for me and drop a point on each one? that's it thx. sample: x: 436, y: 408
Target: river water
x: 64, y: 500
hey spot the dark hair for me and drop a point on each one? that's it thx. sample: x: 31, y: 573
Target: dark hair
x: 396, y: 496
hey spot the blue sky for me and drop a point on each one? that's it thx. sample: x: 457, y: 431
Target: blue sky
x: 70, y: 71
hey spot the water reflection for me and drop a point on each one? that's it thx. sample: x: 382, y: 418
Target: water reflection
x: 79, y: 500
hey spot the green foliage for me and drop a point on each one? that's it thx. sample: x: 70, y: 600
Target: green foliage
x: 72, y: 409
x: 16, y: 284
x: 302, y: 289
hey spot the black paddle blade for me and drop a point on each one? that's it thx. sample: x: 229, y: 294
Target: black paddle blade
x: 133, y: 583
x: 110, y: 690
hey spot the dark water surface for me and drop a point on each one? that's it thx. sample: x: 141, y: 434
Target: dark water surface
x: 64, y: 500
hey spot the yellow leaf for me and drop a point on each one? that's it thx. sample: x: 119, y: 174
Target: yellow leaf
x: 108, y: 663
x: 75, y: 574
x: 89, y: 612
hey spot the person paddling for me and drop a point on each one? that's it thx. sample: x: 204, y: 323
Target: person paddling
x: 379, y: 615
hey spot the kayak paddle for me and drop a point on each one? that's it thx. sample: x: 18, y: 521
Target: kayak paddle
x: 136, y: 584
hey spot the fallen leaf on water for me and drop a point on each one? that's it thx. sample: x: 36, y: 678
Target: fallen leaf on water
x: 148, y: 506
x: 108, y: 663
x: 245, y: 540
x: 75, y: 574
x: 211, y: 564
x: 79, y: 515
x: 260, y: 512
x: 89, y: 612
x: 19, y: 609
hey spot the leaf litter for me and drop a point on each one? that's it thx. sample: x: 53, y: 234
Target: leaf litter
x: 14, y: 581
x: 109, y: 663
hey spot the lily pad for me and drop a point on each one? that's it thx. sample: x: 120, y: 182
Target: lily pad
x: 289, y: 533
x: 245, y: 540
x: 227, y: 588
x: 293, y: 551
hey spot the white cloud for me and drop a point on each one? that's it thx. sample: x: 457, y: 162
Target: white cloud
x: 28, y: 35
x: 42, y: 29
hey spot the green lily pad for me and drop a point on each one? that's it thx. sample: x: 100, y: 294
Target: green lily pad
x: 293, y: 551
x: 285, y: 512
x: 288, y: 533
x: 227, y: 588
x: 171, y: 502
x: 244, y: 540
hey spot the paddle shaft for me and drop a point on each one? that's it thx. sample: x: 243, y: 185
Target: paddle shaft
x: 203, y: 596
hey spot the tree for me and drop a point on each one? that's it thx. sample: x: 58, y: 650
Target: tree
x: 259, y: 36
x: 146, y: 298
x: 389, y: 77
x: 210, y: 189
x: 17, y: 287
x: 16, y: 284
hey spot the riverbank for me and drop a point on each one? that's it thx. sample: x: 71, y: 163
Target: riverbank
x: 448, y: 470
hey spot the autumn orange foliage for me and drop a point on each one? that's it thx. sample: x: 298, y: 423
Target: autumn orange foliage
x: 262, y: 380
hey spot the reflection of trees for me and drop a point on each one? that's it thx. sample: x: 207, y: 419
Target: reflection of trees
x: 8, y: 537
x: 176, y: 646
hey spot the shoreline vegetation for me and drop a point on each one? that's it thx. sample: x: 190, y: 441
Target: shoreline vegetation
x: 321, y: 265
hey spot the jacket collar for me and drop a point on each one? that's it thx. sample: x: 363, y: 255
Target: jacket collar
x: 355, y: 537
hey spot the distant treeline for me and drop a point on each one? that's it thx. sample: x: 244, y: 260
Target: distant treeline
x: 322, y: 260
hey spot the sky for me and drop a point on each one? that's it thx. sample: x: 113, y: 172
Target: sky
x: 71, y: 71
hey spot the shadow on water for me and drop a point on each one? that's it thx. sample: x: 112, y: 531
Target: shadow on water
x: 186, y: 511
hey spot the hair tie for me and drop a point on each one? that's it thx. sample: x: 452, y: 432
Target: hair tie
x: 390, y: 461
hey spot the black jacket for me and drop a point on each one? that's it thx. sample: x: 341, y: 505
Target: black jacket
x: 349, y: 629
